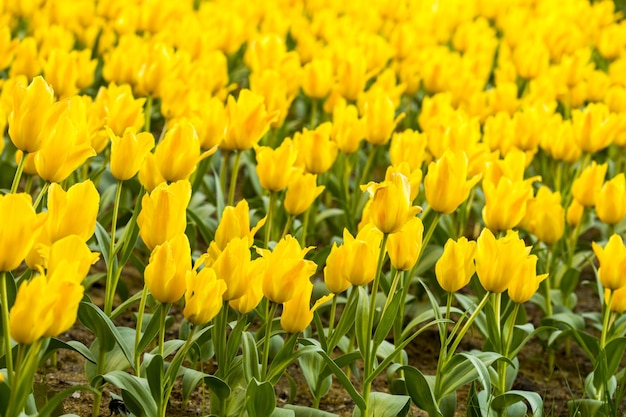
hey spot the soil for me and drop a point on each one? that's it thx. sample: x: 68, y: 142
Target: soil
x: 556, y: 386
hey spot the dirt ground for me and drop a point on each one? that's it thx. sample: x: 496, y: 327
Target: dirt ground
x: 556, y: 386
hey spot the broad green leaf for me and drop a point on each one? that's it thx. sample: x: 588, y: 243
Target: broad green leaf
x: 154, y: 375
x: 138, y: 389
x: 104, y: 244
x: 421, y: 390
x: 260, y: 399
x: 361, y: 322
x: 346, y: 321
x: 125, y: 305
x: 464, y: 368
x: 301, y: 411
x: 313, y: 366
x: 387, y: 319
x: 386, y: 405
x: 586, y: 407
x: 55, y: 401
x: 74, y: 345
x: 191, y: 379
x: 151, y: 329
x: 116, y: 359
x: 509, y: 398
x: 250, y: 357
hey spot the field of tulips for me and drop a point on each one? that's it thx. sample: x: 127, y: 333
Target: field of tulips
x: 229, y: 203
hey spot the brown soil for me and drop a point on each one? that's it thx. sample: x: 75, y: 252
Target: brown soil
x: 556, y: 386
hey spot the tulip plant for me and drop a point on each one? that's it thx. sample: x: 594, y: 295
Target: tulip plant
x: 315, y: 184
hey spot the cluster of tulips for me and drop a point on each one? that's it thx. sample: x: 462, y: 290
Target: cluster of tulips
x: 444, y: 159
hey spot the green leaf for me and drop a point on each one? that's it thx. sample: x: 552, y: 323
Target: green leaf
x: 281, y: 412
x: 346, y: 321
x: 154, y: 375
x: 260, y: 398
x: 131, y: 232
x: 191, y: 379
x: 386, y: 405
x: 503, y: 401
x: 421, y: 390
x: 313, y: 367
x: 104, y: 243
x: 151, y: 330
x: 387, y: 319
x: 115, y: 360
x: 361, y: 321
x: 250, y: 357
x: 285, y: 356
x: 74, y: 345
x: 138, y: 389
x: 55, y: 401
x: 466, y: 367
x: 301, y: 411
x: 614, y: 353
x: 586, y: 407
x: 205, y: 232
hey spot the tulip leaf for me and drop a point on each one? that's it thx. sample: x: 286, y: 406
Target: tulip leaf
x: 421, y: 390
x: 281, y: 412
x: 346, y: 321
x: 104, y: 243
x: 509, y: 398
x: 614, y: 351
x: 115, y: 360
x: 313, y: 367
x: 125, y: 305
x: 204, y: 230
x: 586, y: 407
x: 191, y: 379
x: 152, y: 329
x: 52, y: 403
x: 74, y: 345
x: 260, y: 398
x: 465, y: 367
x: 342, y: 361
x: 361, y: 322
x: 131, y: 231
x: 285, y: 356
x: 154, y: 375
x: 5, y: 394
x: 135, y: 391
x: 250, y: 357
x: 387, y: 319
x: 386, y: 405
x: 429, y: 257
x: 301, y: 411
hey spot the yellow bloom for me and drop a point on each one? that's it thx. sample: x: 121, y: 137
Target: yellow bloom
x: 149, y: 175
x: 445, y: 184
x: 545, y: 216
x: 404, y: 247
x: 26, y: 61
x: 65, y: 285
x: 619, y: 299
x: 611, y: 200
x: 360, y: 255
x: 164, y: 213
x: 301, y: 192
x: 317, y: 78
x: 351, y: 73
x: 254, y: 291
x: 378, y: 111
x: 129, y: 152
x: 316, y: 150
x: 231, y: 266
x: 525, y: 281
x: 286, y: 269
x: 612, y: 260
x: 594, y: 127
x: 586, y: 186
x: 26, y: 121
x: 270, y: 84
x: 496, y: 258
x: 119, y: 108
x: 456, y: 266
x: 414, y: 176
x: 274, y: 166
x: 18, y: 231
x: 66, y: 143
x: 248, y: 121
x: 408, y: 146
x: 390, y: 205
x: 334, y: 275
x: 167, y: 269
x: 203, y: 296
x: 297, y: 313
x: 574, y: 213
x: 235, y: 223
x: 71, y: 249
x: 157, y: 64
x: 505, y: 203
x: 31, y: 314
x: 72, y: 212
x: 348, y: 129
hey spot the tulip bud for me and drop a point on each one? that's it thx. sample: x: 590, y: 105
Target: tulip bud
x: 545, y: 216
x: 347, y: 129
x: 408, y: 146
x: 254, y: 291
x: 297, y: 313
x: 317, y: 78
x: 31, y: 314
x: 612, y: 260
x: 231, y: 266
x: 360, y: 255
x: 404, y: 247
x: 585, y: 187
x: 334, y: 271
x: 611, y: 200
x: 235, y: 223
x: 456, y: 266
x: 129, y: 152
x: 72, y: 212
x: 378, y: 111
x: 316, y: 151
x: 119, y: 108
x: 575, y: 213
x: 301, y: 192
x: 179, y: 152
x: 20, y: 224
x: 505, y: 204
x: 203, y: 296
x: 618, y: 304
x: 274, y: 166
x: 248, y: 121
x: 525, y: 281
x: 167, y: 269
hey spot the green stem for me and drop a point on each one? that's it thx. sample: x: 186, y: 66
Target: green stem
x: 42, y: 192
x: 8, y: 353
x: 164, y: 312
x: 268, y: 223
x: 368, y: 165
x: 270, y: 310
x: 25, y: 376
x: 305, y: 226
x: 18, y: 173
x: 224, y: 170
x: 111, y: 283
x: 102, y: 355
x: 443, y: 349
x: 368, y: 354
x: 331, y: 320
x: 313, y: 121
x: 175, y: 363
x: 605, y: 320
x: 287, y: 226
x: 399, y: 321
x: 138, y: 334
x: 506, y: 348
x: 148, y: 113
x: 548, y: 285
x: 219, y: 338
x: 468, y: 324
x: 233, y: 178
x: 392, y: 290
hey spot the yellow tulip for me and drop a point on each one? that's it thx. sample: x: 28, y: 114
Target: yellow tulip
x: 231, y: 266
x: 585, y: 187
x: 505, y: 203
x: 72, y: 212
x: 297, y: 313
x: 270, y: 84
x: 360, y: 255
x: 254, y: 291
x: 274, y: 166
x: 334, y: 271
x: 158, y: 63
x: 26, y: 121
x: 611, y: 200
x: 32, y: 314
x: 594, y: 127
x: 128, y: 152
x: 26, y: 61
x: 164, y: 213
x: 619, y: 299
x: 414, y: 176
x: 404, y: 247
x: 316, y: 151
x: 18, y: 232
x: 235, y: 223
x: 149, y: 174
x: 66, y: 143
x: 166, y: 272
x: 408, y: 146
x: 71, y: 249
x: 456, y: 266
x: 119, y: 108
x: 574, y: 213
x: 496, y: 258
x: 446, y: 184
x: 347, y: 129
x: 317, y: 78
x: 203, y: 296
x: 612, y: 260
x: 525, y: 281
x: 248, y: 121
x: 378, y: 111
x: 301, y: 192
x: 286, y: 270
x: 390, y: 205
x: 351, y: 73
x: 65, y: 285
x: 545, y: 216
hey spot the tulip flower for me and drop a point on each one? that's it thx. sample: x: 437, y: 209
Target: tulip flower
x: 545, y: 216
x: 586, y: 186
x: 404, y: 246
x: 301, y: 192
x: 73, y: 249
x: 164, y: 213
x: 149, y: 174
x: 408, y: 146
x: 618, y: 304
x: 317, y: 78
x: 594, y: 127
x: 525, y: 281
x: 167, y: 269
x: 316, y: 151
x: 378, y: 111
x: 391, y: 203
x: 334, y: 271
x: 360, y: 255
x: 31, y: 314
x: 235, y: 223
x: 203, y: 296
x: 286, y: 269
x: 574, y: 213
x: 351, y: 73
x: 248, y: 121
x: 231, y: 266
x: 611, y: 200
x: 496, y: 258
x: 66, y: 143
x: 274, y: 166
x: 72, y: 212
x: 612, y: 260
x: 26, y: 121
x: 505, y: 203
x: 18, y: 232
x: 270, y: 85
x: 128, y: 152
x: 254, y: 291
x: 119, y: 108
x: 456, y: 266
x: 69, y: 294
x: 414, y: 176
x: 445, y: 184
x: 347, y: 129
x: 297, y: 312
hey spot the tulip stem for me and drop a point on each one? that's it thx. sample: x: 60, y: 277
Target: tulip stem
x: 18, y: 173
x: 270, y: 309
x: 305, y: 226
x: 392, y: 290
x: 548, y: 285
x: 8, y: 354
x: 468, y: 323
x: 42, y: 192
x: 233, y: 178
x: 287, y: 226
x: 268, y: 223
x: 505, y: 349
x: 605, y: 320
x: 138, y: 334
x: 331, y: 320
x: 148, y: 113
x: 166, y: 308
x: 112, y: 275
